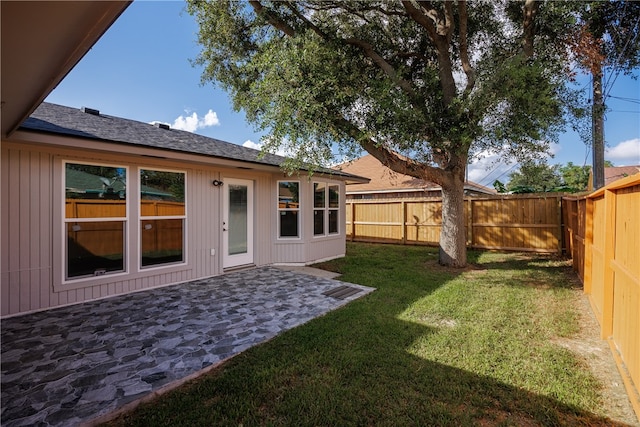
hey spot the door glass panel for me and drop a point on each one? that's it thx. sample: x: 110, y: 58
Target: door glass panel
x: 237, y: 219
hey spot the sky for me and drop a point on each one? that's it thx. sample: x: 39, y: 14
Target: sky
x: 141, y: 69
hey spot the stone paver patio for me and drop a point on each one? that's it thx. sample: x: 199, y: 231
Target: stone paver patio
x: 72, y: 365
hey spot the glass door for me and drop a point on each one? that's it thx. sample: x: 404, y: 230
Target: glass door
x: 237, y: 225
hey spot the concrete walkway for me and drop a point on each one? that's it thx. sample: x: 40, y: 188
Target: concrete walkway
x: 72, y: 365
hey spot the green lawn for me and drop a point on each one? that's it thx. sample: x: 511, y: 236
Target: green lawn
x: 431, y: 346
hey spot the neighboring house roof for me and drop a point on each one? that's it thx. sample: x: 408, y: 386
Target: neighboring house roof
x: 618, y: 172
x: 85, y: 123
x: 384, y: 179
x: 614, y: 173
x: 77, y: 181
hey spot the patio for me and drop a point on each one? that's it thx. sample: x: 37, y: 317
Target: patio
x: 76, y: 364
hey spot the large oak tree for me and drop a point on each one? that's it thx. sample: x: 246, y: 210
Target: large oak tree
x: 420, y: 85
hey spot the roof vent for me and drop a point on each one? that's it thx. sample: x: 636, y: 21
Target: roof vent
x: 162, y: 125
x: 91, y: 111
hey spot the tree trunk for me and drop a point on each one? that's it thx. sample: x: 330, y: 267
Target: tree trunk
x: 453, y: 236
x: 597, y: 117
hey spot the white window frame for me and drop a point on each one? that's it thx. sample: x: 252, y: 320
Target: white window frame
x: 279, y: 210
x: 142, y: 218
x: 65, y: 221
x: 326, y: 209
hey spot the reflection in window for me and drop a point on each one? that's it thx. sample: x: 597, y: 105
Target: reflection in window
x: 95, y: 219
x: 288, y: 208
x: 162, y: 241
x: 162, y: 208
x: 95, y: 248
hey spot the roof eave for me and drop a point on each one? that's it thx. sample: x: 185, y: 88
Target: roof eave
x: 41, y: 43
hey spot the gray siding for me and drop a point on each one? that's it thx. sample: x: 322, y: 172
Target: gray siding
x: 31, y: 229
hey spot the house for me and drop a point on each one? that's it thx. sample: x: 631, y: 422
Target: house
x: 386, y: 184
x: 80, y: 219
x: 94, y: 205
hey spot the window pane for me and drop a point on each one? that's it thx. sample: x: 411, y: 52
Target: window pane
x: 288, y: 193
x: 289, y: 224
x: 318, y: 222
x: 319, y: 195
x: 161, y: 193
x: 334, y: 196
x: 95, y: 191
x: 94, y: 248
x: 333, y: 221
x: 162, y: 241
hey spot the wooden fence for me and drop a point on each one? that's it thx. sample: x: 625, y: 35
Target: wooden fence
x: 573, y: 217
x: 514, y: 222
x: 612, y: 273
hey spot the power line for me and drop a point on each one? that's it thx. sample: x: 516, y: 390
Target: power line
x: 616, y: 66
x: 489, y: 174
x: 508, y: 170
x: 632, y: 100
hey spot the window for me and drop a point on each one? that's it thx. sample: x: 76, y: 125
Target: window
x: 95, y: 219
x: 162, y: 217
x: 288, y: 209
x: 326, y: 204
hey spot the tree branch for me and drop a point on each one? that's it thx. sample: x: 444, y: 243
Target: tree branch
x: 441, y: 38
x: 530, y: 10
x: 390, y: 159
x: 309, y: 24
x: 448, y: 21
x: 421, y: 18
x: 464, y: 48
x: 271, y: 18
x: 370, y: 52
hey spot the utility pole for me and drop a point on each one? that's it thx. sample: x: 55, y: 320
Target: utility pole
x: 597, y: 131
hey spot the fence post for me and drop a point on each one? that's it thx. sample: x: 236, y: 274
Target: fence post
x: 404, y: 222
x: 469, y: 221
x: 588, y: 246
x: 353, y: 220
x: 609, y: 253
x: 560, y: 233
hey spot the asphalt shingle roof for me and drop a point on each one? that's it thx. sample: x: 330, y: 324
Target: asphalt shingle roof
x: 59, y: 119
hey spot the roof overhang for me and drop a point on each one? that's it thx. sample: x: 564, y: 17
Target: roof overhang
x: 41, y: 42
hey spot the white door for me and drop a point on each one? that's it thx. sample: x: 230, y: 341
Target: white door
x: 237, y: 223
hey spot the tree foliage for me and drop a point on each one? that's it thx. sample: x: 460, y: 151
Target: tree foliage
x: 534, y: 177
x: 419, y: 85
x: 575, y: 177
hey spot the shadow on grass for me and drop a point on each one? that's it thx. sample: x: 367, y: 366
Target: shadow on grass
x: 352, y: 367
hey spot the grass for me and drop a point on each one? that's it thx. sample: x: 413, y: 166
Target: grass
x: 431, y: 346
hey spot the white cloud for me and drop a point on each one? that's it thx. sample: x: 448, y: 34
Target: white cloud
x: 192, y: 123
x: 626, y: 153
x: 211, y: 119
x: 250, y: 144
x: 258, y: 146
